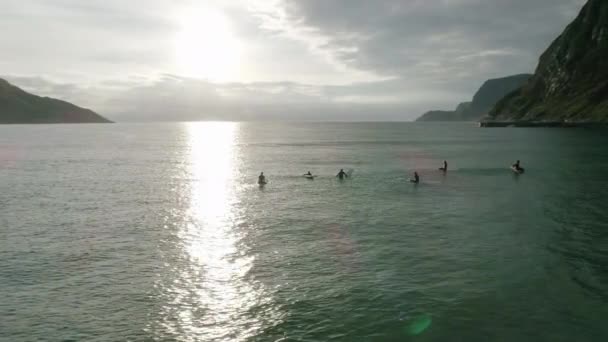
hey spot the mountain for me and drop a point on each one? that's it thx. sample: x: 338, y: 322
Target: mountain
x: 18, y: 106
x: 571, y: 80
x: 438, y: 115
x: 483, y: 101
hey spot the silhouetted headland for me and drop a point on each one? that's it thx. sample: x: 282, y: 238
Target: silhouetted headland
x: 20, y: 107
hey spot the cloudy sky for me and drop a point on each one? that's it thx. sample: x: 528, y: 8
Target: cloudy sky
x: 271, y: 59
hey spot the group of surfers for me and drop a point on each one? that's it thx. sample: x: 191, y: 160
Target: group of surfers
x: 341, y: 175
x: 416, y: 178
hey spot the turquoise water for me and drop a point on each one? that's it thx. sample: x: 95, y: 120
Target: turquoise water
x: 140, y: 232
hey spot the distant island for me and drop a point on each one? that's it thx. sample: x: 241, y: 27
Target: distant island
x: 20, y: 107
x: 483, y: 101
x: 571, y: 81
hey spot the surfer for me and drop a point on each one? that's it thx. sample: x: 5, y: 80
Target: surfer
x: 416, y: 178
x: 308, y: 174
x: 517, y: 168
x: 262, y: 179
x: 445, y: 166
x: 342, y: 174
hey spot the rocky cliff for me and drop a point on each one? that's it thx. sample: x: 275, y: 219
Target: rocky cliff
x: 571, y: 80
x: 483, y: 101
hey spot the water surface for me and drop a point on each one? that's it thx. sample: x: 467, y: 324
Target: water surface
x: 142, y: 232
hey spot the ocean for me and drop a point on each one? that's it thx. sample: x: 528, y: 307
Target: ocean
x: 160, y: 232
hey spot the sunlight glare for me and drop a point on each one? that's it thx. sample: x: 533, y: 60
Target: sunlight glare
x: 211, y: 239
x: 210, y: 295
x: 206, y: 46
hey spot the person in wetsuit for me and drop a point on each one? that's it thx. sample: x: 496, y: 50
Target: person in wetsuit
x: 416, y: 178
x: 445, y: 166
x: 309, y: 176
x: 262, y: 179
x: 342, y: 174
x: 517, y: 167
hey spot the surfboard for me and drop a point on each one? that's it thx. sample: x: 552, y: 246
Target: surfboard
x: 518, y: 171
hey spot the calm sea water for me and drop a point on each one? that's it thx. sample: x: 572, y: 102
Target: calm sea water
x: 159, y: 232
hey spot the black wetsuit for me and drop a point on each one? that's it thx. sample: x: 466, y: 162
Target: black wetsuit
x: 517, y: 167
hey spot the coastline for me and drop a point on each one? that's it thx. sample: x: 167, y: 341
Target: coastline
x: 541, y: 124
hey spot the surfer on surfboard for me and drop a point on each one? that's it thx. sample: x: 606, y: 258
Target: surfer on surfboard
x: 262, y: 179
x: 445, y: 166
x: 416, y: 178
x: 341, y: 175
x: 517, y: 168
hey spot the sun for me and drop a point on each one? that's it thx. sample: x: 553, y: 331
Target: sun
x: 206, y: 47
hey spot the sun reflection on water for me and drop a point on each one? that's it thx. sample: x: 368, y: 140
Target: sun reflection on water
x: 211, y: 297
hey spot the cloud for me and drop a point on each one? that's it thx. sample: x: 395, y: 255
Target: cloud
x: 462, y: 39
x: 176, y: 98
x: 69, y: 39
x: 302, y: 59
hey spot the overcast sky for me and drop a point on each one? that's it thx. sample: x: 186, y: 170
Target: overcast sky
x: 258, y: 59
